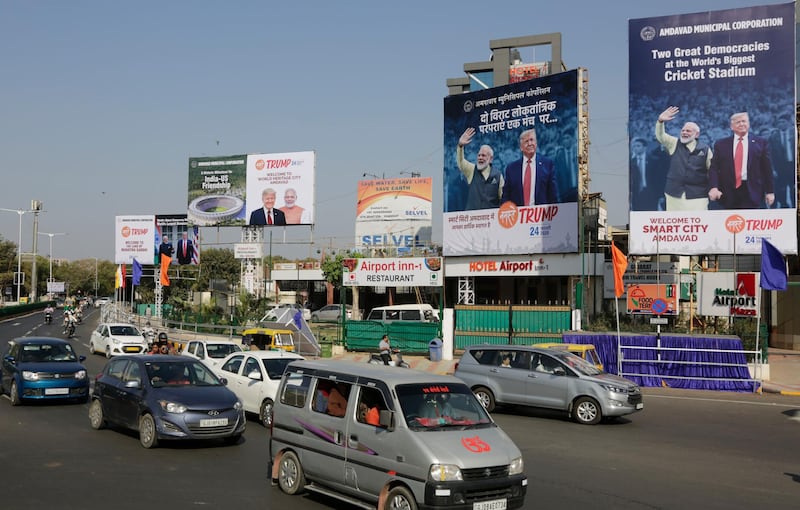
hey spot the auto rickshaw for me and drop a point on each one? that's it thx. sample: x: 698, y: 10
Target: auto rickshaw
x: 268, y: 339
x: 585, y: 351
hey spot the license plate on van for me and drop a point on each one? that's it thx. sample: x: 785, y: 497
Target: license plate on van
x: 495, y: 504
x: 640, y: 405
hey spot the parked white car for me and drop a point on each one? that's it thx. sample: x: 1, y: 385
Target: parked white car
x: 277, y: 311
x: 211, y: 351
x: 254, y: 376
x: 115, y: 338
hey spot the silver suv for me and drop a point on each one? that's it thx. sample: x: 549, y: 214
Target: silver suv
x: 523, y: 375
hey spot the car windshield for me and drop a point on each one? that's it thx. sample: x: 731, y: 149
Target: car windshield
x: 276, y: 367
x: 440, y: 406
x: 180, y: 373
x: 219, y: 351
x: 576, y: 363
x: 124, y: 331
x: 47, y: 353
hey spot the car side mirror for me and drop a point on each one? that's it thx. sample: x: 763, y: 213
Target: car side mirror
x: 10, y: 359
x: 200, y: 355
x: 386, y: 419
x: 223, y: 380
x: 81, y: 358
x: 559, y: 371
x: 133, y: 384
x: 255, y: 375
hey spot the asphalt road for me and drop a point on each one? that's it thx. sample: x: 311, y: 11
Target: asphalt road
x: 686, y: 449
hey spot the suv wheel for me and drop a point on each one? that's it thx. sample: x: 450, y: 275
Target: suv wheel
x: 485, y: 397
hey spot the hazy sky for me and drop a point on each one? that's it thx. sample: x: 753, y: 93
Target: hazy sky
x: 104, y: 102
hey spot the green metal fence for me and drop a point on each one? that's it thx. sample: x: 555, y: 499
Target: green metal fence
x: 409, y: 337
x: 528, y: 324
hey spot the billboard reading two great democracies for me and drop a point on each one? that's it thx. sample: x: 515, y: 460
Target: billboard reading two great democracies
x: 712, y: 132
x: 252, y: 189
x: 511, y: 168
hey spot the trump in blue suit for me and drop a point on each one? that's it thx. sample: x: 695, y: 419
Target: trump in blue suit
x: 545, y: 189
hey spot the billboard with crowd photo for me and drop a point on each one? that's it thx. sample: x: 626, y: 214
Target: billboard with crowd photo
x: 712, y: 132
x: 511, y: 168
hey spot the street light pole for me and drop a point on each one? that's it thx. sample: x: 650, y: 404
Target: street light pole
x: 20, y: 212
x: 51, y: 235
x: 95, y: 277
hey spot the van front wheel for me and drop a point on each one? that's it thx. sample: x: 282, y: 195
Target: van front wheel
x: 586, y: 411
x: 290, y: 477
x: 400, y: 498
x: 485, y: 397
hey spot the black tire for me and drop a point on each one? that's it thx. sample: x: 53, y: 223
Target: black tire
x: 587, y: 411
x: 290, y: 474
x: 108, y: 352
x: 91, y: 348
x: 97, y: 418
x: 14, y: 394
x: 400, y: 498
x: 148, y: 434
x: 314, y: 318
x: 485, y: 397
x: 265, y: 413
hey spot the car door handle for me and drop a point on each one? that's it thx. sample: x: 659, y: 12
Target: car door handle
x: 494, y: 370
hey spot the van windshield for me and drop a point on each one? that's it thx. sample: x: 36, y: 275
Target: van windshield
x: 440, y: 406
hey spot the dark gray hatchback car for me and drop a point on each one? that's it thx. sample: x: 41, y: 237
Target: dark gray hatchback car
x: 548, y: 378
x: 165, y: 397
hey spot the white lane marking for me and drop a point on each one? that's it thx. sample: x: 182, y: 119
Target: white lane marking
x: 770, y: 404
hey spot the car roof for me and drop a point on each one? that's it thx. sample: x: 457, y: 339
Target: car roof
x: 214, y: 341
x: 390, y: 375
x: 117, y: 324
x: 38, y: 340
x: 423, y: 306
x: 281, y: 353
x: 157, y: 357
x: 506, y: 347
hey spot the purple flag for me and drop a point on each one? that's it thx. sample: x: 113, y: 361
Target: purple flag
x: 298, y: 319
x: 137, y: 272
x: 773, y: 267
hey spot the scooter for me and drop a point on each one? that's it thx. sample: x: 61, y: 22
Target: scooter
x: 375, y: 359
x: 48, y: 317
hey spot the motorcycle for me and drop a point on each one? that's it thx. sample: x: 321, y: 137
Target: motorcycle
x: 375, y: 359
x: 48, y: 317
x: 70, y: 329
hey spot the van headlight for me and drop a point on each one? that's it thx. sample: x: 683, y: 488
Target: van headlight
x: 30, y: 376
x: 172, y: 407
x: 80, y: 375
x: 614, y: 389
x: 516, y: 466
x: 237, y: 406
x: 445, y: 473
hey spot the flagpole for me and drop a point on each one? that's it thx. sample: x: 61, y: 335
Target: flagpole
x: 619, y: 338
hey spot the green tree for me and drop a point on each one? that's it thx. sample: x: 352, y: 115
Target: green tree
x: 217, y: 264
x: 332, y: 267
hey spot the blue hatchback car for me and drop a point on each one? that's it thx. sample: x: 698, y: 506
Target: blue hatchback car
x: 165, y: 397
x: 42, y: 368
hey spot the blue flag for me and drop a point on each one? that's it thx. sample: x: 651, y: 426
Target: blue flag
x: 773, y: 267
x: 298, y: 319
x: 137, y: 272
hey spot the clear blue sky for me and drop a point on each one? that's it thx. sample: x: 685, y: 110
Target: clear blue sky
x: 104, y: 102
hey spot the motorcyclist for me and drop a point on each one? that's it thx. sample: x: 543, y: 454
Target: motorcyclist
x: 161, y: 346
x: 69, y: 322
x: 48, y: 313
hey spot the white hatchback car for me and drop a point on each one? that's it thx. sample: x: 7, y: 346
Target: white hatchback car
x: 114, y: 338
x: 254, y: 376
x: 210, y: 351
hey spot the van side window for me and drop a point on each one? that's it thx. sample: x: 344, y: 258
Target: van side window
x: 375, y: 315
x: 331, y: 398
x: 409, y: 315
x: 295, y: 391
x: 392, y: 315
x: 370, y: 405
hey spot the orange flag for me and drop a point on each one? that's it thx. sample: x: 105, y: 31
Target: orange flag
x: 165, y: 261
x: 620, y: 262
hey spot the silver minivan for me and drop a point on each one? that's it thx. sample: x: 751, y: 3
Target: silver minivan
x: 369, y: 435
x: 554, y: 379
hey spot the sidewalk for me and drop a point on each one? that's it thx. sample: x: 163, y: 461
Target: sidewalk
x: 784, y: 368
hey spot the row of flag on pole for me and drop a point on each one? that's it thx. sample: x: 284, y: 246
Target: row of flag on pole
x: 136, y: 278
x: 773, y: 268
